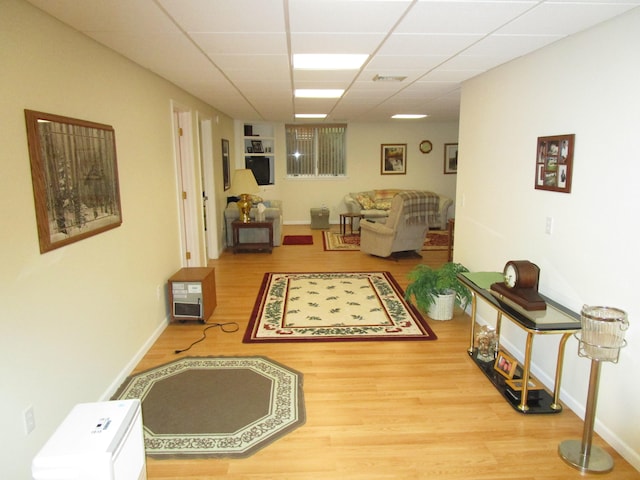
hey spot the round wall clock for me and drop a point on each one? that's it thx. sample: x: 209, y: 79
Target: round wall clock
x: 425, y: 146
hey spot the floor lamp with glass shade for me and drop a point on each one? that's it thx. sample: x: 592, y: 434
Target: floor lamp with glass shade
x: 243, y: 185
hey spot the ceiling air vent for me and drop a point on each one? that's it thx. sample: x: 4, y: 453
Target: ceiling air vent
x: 388, y: 78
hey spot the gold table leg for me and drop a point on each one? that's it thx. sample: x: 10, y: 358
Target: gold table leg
x: 474, y: 305
x: 525, y: 374
x: 559, y: 366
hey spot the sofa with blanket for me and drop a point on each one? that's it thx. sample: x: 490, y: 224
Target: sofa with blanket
x: 375, y: 204
x: 273, y: 211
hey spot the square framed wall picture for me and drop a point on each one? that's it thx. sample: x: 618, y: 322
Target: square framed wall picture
x: 393, y: 159
x: 450, y: 158
x: 75, y: 178
x: 554, y: 163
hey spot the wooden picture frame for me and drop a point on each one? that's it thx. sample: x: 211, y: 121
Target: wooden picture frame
x: 450, y: 158
x: 256, y: 146
x: 505, y: 365
x: 554, y: 163
x: 226, y: 168
x: 393, y: 159
x: 75, y: 178
x: 516, y: 385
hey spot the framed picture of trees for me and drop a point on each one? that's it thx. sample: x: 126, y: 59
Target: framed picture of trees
x: 75, y: 178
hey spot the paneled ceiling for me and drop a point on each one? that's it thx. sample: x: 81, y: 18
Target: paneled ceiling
x: 236, y: 55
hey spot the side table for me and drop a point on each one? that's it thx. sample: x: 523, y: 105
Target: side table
x: 344, y: 217
x: 556, y: 319
x: 266, y: 246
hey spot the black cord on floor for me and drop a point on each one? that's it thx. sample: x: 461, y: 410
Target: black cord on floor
x: 228, y: 327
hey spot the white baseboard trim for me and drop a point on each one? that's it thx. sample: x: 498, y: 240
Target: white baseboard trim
x: 126, y: 371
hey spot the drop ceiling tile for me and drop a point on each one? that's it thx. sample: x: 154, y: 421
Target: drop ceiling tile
x: 155, y: 50
x: 114, y: 16
x: 241, y: 43
x: 345, y: 16
x: 564, y: 18
x: 335, y: 42
x: 461, y: 17
x: 427, y: 44
x: 399, y: 63
x: 426, y: 90
x: 510, y: 46
x: 451, y: 76
x: 227, y: 15
x: 267, y: 64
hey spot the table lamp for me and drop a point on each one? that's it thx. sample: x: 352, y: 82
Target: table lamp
x: 244, y: 185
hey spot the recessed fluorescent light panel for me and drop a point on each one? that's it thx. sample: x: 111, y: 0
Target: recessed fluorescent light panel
x: 311, y: 115
x: 409, y: 116
x: 328, y: 61
x: 318, y: 93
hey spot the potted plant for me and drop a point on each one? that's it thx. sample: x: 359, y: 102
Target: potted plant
x: 437, y: 290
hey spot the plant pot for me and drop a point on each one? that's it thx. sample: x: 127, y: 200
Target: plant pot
x: 442, y: 308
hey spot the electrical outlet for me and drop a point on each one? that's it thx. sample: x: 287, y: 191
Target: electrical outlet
x: 159, y: 291
x: 29, y: 420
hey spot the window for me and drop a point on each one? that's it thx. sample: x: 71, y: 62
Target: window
x: 316, y: 150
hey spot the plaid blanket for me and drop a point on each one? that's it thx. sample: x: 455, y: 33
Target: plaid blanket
x: 419, y: 206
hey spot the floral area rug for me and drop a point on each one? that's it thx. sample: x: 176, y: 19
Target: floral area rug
x: 333, y: 307
x: 335, y: 242
x: 212, y: 407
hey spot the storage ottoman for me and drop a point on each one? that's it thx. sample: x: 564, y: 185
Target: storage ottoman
x: 319, y: 218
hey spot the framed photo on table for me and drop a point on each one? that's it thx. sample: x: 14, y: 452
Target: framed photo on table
x: 554, y: 163
x: 256, y: 146
x: 516, y: 384
x: 393, y: 159
x: 505, y: 365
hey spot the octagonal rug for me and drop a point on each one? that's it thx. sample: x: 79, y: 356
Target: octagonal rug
x: 216, y: 406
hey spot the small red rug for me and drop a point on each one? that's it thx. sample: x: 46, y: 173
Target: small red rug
x: 298, y: 240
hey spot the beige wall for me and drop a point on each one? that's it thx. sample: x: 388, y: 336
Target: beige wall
x: 74, y: 321
x: 363, y: 167
x: 585, y: 85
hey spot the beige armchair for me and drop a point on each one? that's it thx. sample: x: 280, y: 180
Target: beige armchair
x: 404, y: 229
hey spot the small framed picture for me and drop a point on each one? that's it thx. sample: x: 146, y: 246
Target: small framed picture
x: 554, y: 163
x: 393, y: 159
x: 256, y: 145
x: 450, y: 158
x: 516, y: 385
x: 505, y: 365
x: 226, y: 169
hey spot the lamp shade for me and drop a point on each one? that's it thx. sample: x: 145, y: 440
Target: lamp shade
x: 244, y: 182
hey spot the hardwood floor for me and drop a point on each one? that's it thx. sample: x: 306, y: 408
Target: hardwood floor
x: 375, y: 410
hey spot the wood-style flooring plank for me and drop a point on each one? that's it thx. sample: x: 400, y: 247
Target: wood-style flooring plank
x: 375, y: 410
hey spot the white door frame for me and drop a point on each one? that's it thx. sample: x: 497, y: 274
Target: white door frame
x: 189, y: 200
x: 209, y: 203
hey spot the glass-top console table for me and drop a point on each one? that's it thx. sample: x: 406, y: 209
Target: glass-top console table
x: 556, y: 319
